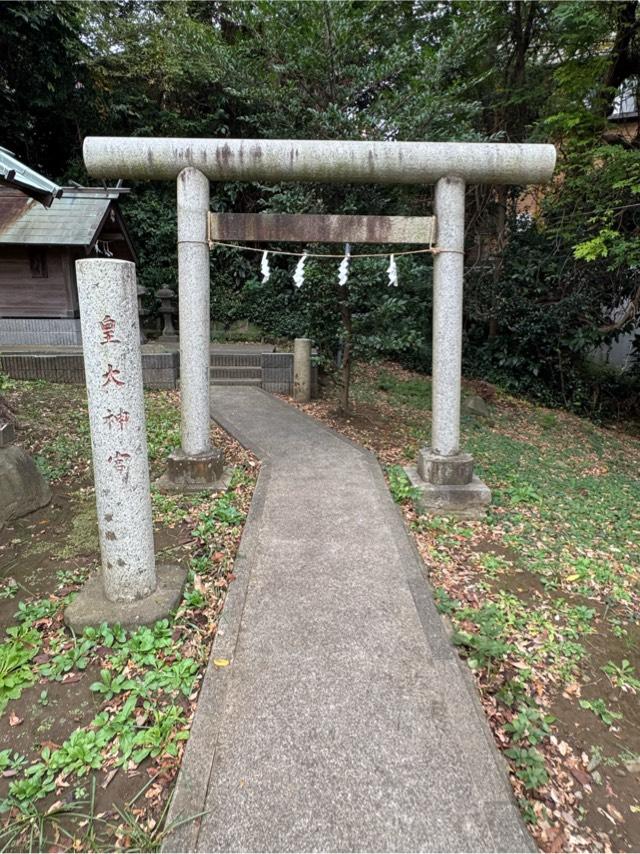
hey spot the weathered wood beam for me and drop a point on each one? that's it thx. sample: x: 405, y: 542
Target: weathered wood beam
x: 316, y: 228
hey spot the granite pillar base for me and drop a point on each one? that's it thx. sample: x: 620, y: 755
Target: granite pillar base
x: 194, y: 473
x: 448, y: 487
x: 92, y: 608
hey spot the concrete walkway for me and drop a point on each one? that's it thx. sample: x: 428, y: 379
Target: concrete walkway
x: 344, y: 721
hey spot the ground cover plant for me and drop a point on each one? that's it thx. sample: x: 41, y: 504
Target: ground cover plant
x: 542, y: 596
x: 93, y: 726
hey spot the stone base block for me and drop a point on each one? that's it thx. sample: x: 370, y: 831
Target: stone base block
x: 439, y: 470
x: 463, y: 501
x: 198, y: 473
x: 91, y: 607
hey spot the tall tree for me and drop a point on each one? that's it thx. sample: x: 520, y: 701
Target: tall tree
x: 44, y: 86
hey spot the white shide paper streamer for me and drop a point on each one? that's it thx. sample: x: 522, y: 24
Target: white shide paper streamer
x: 264, y: 268
x: 392, y: 270
x: 343, y: 271
x: 298, y: 276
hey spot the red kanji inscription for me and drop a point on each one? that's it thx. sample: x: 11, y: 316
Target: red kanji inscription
x: 120, y: 460
x: 118, y: 418
x: 111, y: 376
x: 108, y: 328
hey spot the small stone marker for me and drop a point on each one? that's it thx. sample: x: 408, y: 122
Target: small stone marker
x: 127, y: 590
x: 302, y: 370
x: 477, y: 406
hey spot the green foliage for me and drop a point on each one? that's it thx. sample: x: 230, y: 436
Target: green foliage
x: 81, y: 752
x: 11, y: 760
x: 6, y: 383
x: 8, y: 588
x: 599, y: 708
x: 530, y: 766
x: 43, y: 94
x: 400, y: 485
x: 163, y: 427
x: 622, y: 675
x: 222, y: 512
x: 16, y: 670
x: 486, y: 646
x: 177, y: 677
x: 111, y: 684
x: 163, y: 735
x: 29, y: 613
x: 415, y: 392
x: 529, y: 725
x: 75, y: 656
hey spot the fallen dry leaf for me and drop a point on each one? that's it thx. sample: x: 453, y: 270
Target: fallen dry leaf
x: 615, y: 813
x: 557, y: 841
x: 14, y: 720
x: 581, y: 776
x: 606, y: 815
x: 109, y: 777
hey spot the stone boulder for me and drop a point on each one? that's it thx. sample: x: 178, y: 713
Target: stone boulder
x: 476, y: 406
x: 22, y: 488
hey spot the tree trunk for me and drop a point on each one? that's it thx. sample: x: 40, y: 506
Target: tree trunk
x: 345, y: 371
x: 498, y: 261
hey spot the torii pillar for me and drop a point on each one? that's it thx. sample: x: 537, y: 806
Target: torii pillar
x: 196, y: 466
x: 443, y: 473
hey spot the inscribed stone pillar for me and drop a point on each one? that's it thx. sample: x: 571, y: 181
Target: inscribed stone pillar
x: 302, y: 370
x: 127, y: 590
x: 113, y: 372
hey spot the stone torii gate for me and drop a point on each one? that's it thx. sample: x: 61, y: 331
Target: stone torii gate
x: 444, y: 473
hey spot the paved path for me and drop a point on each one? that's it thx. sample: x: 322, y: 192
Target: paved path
x: 344, y: 721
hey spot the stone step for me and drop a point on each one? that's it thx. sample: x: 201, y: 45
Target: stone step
x: 235, y: 372
x: 244, y: 381
x: 236, y: 360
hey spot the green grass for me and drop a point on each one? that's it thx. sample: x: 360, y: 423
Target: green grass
x: 577, y: 529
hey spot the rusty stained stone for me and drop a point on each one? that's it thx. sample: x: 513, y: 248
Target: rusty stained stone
x: 332, y: 161
x: 203, y: 469
x: 314, y: 228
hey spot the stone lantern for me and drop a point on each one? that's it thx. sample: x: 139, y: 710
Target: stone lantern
x: 168, y: 310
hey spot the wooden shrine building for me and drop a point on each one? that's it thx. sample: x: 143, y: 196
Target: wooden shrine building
x: 43, y: 230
